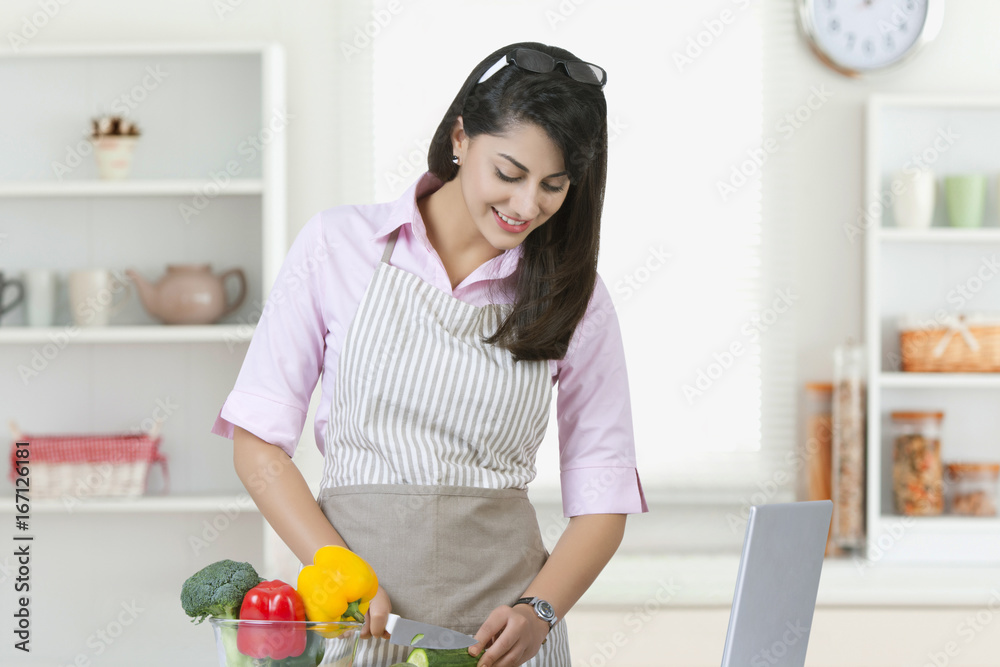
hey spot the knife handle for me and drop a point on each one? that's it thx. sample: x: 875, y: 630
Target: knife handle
x: 390, y: 623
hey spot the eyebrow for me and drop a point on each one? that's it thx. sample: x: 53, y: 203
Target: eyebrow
x: 525, y: 169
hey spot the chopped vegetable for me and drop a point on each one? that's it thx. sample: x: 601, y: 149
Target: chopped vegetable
x: 443, y: 657
x: 338, y: 586
x: 272, y: 601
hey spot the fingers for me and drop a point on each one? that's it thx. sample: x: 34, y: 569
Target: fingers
x: 377, y: 616
x: 514, y: 639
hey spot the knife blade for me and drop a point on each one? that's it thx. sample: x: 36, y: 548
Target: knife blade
x: 402, y: 631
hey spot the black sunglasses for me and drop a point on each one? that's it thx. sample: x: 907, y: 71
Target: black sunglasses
x: 542, y: 63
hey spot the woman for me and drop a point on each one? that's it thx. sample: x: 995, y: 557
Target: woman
x: 441, y: 322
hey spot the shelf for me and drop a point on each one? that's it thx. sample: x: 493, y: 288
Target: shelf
x: 941, y: 235
x: 126, y: 188
x: 939, y: 380
x: 141, y: 504
x: 208, y: 333
x: 947, y: 524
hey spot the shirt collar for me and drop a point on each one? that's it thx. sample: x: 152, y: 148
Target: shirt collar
x: 405, y: 211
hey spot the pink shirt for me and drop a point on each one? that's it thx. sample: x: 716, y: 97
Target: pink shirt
x: 318, y: 291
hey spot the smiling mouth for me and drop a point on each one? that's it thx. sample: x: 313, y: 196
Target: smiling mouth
x: 513, y: 222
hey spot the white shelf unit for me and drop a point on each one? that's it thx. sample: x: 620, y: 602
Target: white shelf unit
x: 212, y: 142
x: 919, y: 273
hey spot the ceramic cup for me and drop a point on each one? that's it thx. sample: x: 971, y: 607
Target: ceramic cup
x: 96, y: 295
x: 40, y: 285
x: 965, y: 195
x: 10, y: 286
x: 913, y: 207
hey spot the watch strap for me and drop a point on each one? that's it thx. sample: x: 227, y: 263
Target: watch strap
x: 532, y: 601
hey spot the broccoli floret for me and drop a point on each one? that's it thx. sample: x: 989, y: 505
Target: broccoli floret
x: 218, y: 590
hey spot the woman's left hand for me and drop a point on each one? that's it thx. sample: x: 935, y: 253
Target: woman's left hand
x: 517, y: 634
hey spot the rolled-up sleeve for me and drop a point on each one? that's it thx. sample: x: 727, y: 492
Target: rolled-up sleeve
x: 285, y: 357
x: 596, y: 442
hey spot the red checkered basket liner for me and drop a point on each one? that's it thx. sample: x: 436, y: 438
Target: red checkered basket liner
x: 85, y: 465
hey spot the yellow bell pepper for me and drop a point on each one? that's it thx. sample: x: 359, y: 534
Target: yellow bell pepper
x: 338, y: 586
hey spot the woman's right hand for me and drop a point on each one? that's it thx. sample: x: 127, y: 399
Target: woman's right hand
x: 377, y: 616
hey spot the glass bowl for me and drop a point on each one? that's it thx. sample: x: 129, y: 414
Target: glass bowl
x: 285, y: 643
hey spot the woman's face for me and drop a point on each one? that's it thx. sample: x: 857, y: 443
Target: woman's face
x: 519, y: 176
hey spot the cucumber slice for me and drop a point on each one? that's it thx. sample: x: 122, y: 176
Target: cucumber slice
x: 417, y: 638
x: 418, y: 658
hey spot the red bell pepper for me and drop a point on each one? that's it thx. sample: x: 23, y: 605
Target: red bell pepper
x: 272, y: 601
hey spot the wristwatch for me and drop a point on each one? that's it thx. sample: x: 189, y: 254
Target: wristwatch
x: 542, y: 608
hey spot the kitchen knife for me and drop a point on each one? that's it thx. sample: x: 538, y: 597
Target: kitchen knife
x: 402, y: 631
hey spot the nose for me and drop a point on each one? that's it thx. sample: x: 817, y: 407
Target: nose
x: 525, y: 202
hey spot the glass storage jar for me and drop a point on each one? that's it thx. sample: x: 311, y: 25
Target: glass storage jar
x: 916, y: 463
x: 848, y: 447
x: 817, y: 481
x: 971, y: 488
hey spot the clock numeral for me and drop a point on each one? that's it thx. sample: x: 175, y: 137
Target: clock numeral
x: 889, y: 43
x: 850, y: 41
x: 868, y: 47
x: 834, y: 25
x: 830, y: 3
x: 902, y: 26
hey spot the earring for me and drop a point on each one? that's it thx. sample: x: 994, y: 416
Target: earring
x: 454, y: 158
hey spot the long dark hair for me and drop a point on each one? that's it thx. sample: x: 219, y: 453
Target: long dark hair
x: 555, y: 278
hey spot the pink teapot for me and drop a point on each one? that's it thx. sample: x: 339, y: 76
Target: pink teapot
x: 189, y: 294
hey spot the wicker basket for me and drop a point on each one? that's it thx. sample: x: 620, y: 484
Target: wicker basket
x: 955, y: 345
x: 90, y: 465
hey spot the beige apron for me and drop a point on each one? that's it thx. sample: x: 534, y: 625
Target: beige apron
x: 430, y: 445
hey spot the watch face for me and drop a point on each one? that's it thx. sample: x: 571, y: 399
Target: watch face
x: 867, y: 34
x: 545, y: 610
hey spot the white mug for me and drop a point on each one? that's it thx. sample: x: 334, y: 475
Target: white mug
x: 92, y: 294
x: 913, y: 207
x: 40, y: 285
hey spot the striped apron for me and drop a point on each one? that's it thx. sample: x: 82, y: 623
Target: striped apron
x: 430, y: 446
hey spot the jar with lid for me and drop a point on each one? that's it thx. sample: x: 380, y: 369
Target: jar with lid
x: 848, y: 448
x: 917, y: 479
x: 971, y: 488
x: 817, y: 480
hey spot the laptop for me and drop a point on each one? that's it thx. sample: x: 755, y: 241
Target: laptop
x: 776, y: 586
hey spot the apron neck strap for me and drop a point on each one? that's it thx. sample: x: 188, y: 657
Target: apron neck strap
x: 390, y: 245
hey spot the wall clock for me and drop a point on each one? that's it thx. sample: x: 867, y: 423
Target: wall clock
x: 857, y: 37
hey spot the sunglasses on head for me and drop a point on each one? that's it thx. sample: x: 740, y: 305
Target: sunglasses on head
x: 542, y: 63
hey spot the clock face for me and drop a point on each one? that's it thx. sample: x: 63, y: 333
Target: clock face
x: 867, y: 34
